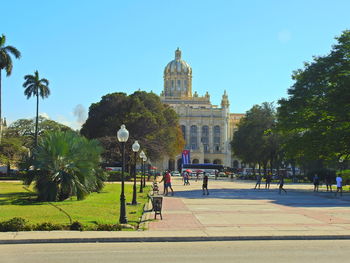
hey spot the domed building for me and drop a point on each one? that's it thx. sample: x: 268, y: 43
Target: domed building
x: 207, y: 128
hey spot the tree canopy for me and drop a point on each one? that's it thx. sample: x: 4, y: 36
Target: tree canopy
x: 255, y: 140
x: 152, y: 123
x: 316, y: 115
x: 25, y: 129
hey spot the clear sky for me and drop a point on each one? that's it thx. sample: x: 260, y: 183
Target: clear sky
x: 91, y: 48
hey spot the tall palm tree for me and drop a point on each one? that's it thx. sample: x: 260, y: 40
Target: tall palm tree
x: 6, y: 63
x: 34, y: 86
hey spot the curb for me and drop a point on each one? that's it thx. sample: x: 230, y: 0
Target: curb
x: 146, y: 215
x: 172, y: 239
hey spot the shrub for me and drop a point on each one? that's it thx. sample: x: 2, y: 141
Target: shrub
x: 115, y: 176
x: 47, y: 226
x: 109, y: 227
x: 15, y: 224
x: 76, y: 226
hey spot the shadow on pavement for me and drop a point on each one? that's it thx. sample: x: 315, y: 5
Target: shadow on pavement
x: 293, y: 198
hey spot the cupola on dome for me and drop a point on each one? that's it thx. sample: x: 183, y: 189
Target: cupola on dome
x: 178, y: 65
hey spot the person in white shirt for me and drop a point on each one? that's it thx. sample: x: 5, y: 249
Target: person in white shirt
x: 339, y: 181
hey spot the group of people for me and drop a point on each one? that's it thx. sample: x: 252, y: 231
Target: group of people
x: 167, y: 182
x: 329, y: 181
x: 268, y: 179
x: 316, y: 181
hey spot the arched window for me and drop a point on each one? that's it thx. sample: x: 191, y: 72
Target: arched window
x: 183, y: 129
x: 235, y: 164
x: 195, y: 161
x: 216, y: 138
x: 205, y: 138
x: 193, y: 137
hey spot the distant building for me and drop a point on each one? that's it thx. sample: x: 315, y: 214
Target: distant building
x: 207, y: 128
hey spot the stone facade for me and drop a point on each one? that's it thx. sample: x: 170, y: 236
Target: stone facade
x: 207, y: 128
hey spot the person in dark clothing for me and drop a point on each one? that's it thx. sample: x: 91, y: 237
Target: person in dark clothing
x: 281, y: 183
x: 205, y: 184
x: 268, y: 181
x: 328, y: 181
x: 316, y: 181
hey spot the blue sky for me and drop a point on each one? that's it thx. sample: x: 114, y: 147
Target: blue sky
x: 91, y: 48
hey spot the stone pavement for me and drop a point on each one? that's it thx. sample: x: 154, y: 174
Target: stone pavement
x: 234, y: 208
x: 232, y: 211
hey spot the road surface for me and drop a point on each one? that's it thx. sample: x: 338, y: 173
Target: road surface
x: 233, y: 251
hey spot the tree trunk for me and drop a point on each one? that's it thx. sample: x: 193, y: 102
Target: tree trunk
x: 0, y: 111
x: 37, y: 119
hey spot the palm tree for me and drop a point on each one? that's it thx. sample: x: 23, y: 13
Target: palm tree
x: 6, y: 63
x: 66, y: 164
x: 34, y: 86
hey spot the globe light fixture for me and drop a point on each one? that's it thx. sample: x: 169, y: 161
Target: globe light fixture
x: 123, y: 136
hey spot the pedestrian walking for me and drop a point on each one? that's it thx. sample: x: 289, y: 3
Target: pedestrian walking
x: 216, y: 174
x: 187, y: 178
x: 168, y: 183
x: 339, y: 181
x: 258, y: 181
x: 281, y: 183
x: 268, y: 181
x: 163, y: 180
x: 205, y: 184
x: 316, y: 181
x: 197, y: 175
x: 328, y: 181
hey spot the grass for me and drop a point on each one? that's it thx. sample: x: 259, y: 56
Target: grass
x: 101, y: 208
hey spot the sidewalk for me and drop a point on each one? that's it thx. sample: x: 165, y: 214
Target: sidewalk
x: 232, y: 211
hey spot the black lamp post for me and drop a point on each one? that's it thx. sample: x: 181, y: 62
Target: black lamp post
x: 135, y: 148
x: 142, y: 155
x: 144, y: 170
x: 123, y: 136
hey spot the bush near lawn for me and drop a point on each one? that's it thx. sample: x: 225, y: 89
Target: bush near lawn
x: 98, y: 208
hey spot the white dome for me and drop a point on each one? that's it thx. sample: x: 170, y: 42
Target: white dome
x: 178, y: 65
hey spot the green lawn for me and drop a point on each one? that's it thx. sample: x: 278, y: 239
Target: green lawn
x: 102, y: 207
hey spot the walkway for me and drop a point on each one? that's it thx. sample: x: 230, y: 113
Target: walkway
x: 234, y: 208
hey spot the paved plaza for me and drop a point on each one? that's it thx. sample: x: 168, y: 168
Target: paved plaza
x: 235, y: 208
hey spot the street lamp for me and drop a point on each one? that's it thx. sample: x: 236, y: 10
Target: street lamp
x: 135, y: 148
x: 123, y: 136
x: 142, y: 155
x: 144, y: 159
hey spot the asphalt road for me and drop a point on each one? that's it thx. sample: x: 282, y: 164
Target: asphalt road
x: 233, y: 251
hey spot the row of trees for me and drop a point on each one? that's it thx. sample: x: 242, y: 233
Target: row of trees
x: 311, y: 127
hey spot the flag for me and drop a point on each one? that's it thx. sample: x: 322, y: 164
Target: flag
x: 186, y: 157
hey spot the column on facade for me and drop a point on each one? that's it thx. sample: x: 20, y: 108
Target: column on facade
x: 211, y: 139
x: 199, y: 136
